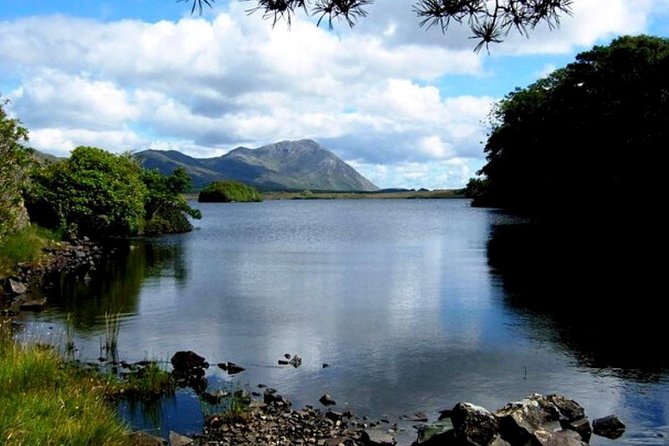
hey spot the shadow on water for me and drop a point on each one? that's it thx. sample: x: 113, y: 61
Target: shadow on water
x: 595, y: 290
x: 115, y: 286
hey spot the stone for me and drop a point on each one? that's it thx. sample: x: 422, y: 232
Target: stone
x: 179, y: 440
x: 295, y: 361
x: 325, y: 365
x: 609, y: 427
x: 145, y: 439
x: 327, y: 400
x: 582, y: 426
x: 17, y: 288
x: 233, y: 368
x: 436, y: 430
x: 184, y: 361
x: 283, y: 362
x: 418, y: 417
x: 558, y: 438
x: 473, y: 424
x: 519, y: 420
x: 32, y: 304
x: 567, y: 409
x: 376, y: 437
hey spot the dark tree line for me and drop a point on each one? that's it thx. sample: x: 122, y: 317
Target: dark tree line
x: 590, y: 136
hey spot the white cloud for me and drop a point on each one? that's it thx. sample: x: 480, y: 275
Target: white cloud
x: 373, y: 94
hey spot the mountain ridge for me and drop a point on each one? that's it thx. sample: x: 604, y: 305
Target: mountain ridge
x: 285, y: 165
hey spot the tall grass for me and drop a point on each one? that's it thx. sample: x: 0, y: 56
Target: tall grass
x: 112, y: 329
x: 25, y: 245
x: 43, y: 401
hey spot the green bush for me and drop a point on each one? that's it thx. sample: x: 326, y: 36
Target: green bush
x: 23, y: 246
x: 229, y: 191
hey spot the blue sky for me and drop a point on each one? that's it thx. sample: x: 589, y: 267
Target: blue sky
x: 406, y: 106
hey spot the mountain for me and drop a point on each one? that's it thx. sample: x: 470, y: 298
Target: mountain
x: 286, y: 165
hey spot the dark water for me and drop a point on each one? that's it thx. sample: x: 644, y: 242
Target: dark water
x: 416, y: 305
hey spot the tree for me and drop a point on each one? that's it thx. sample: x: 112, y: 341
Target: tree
x: 94, y: 193
x: 589, y: 136
x: 14, y: 160
x: 165, y: 207
x: 489, y: 22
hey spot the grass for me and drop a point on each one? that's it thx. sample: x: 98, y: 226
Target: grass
x: 380, y: 195
x: 112, y: 329
x: 24, y: 246
x: 147, y: 383
x: 45, y: 401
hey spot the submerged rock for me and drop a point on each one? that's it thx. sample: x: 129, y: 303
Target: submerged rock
x: 609, y: 427
x: 184, y: 361
x: 327, y: 400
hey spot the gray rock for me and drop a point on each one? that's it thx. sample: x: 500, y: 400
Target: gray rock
x: 376, y: 437
x: 17, y: 288
x: 327, y: 400
x: 419, y: 417
x: 179, y: 440
x: 427, y: 432
x: 518, y: 421
x: 582, y: 426
x: 473, y: 425
x: 558, y: 438
x: 567, y: 409
x: 609, y: 427
x: 144, y: 439
x: 32, y: 304
x: 233, y: 368
x: 499, y: 441
x: 296, y: 361
x: 186, y: 360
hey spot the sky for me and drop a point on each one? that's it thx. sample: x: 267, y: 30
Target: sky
x: 407, y: 107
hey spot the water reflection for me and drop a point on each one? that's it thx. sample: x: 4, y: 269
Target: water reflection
x: 113, y: 288
x: 594, y: 290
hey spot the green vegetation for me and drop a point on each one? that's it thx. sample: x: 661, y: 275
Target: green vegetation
x: 164, y: 204
x: 15, y: 160
x: 584, y: 138
x: 229, y: 191
x: 147, y: 384
x: 45, y: 401
x: 97, y: 193
x: 23, y: 246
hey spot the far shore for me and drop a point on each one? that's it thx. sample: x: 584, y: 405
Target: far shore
x: 420, y: 194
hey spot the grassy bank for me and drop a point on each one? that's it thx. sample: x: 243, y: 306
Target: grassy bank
x: 25, y: 246
x: 45, y: 401
x: 383, y: 195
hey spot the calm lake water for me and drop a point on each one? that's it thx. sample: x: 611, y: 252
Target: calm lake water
x: 415, y: 305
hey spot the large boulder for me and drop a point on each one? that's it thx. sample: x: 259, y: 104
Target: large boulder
x: 185, y: 361
x: 609, y: 427
x: 520, y: 421
x: 473, y: 425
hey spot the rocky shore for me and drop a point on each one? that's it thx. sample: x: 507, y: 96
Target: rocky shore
x: 20, y: 291
x: 266, y: 418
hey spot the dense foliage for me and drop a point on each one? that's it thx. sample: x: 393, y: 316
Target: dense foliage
x: 489, y: 22
x: 14, y: 160
x: 228, y: 191
x: 166, y: 209
x: 587, y: 136
x: 99, y: 194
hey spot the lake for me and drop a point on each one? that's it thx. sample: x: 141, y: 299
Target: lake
x: 414, y: 304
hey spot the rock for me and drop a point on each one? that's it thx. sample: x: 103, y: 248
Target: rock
x: 233, y: 368
x: 436, y: 430
x: 609, y: 427
x: 418, y: 417
x: 179, y: 440
x: 582, y: 426
x: 283, y: 362
x: 518, y: 421
x: 17, y: 288
x: 295, y: 361
x: 184, y: 361
x: 325, y: 365
x: 376, y: 437
x: 32, y: 304
x: 327, y: 400
x: 499, y: 441
x: 144, y: 439
x: 567, y: 409
x: 334, y: 416
x: 558, y: 438
x: 473, y: 424
x: 286, y: 355
x: 444, y: 414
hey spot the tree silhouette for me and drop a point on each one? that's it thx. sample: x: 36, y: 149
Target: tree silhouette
x: 488, y: 21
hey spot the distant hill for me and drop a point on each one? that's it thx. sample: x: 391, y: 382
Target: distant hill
x: 286, y: 165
